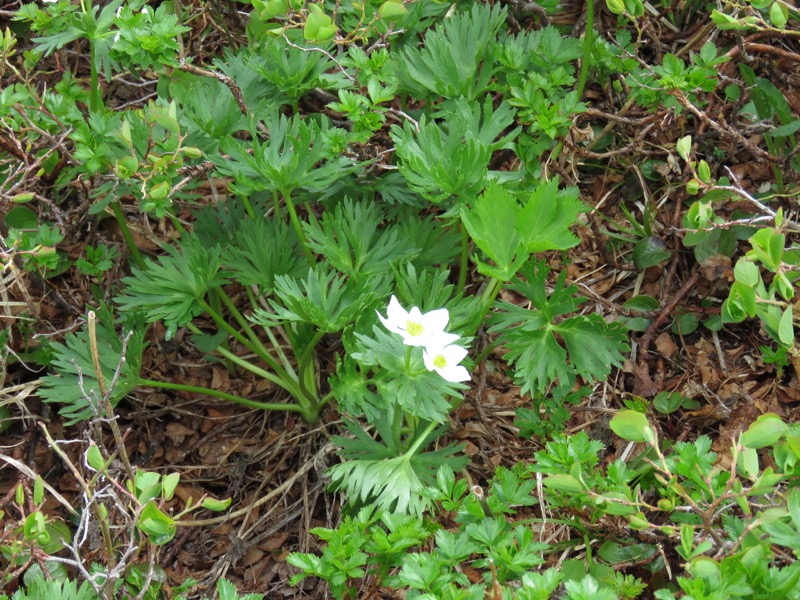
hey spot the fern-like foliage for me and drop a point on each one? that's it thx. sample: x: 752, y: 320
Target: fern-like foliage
x: 324, y: 299
x: 173, y: 288
x: 52, y: 589
x: 75, y: 384
x: 442, y: 160
x: 261, y: 250
x: 457, y: 57
x: 273, y: 73
x: 401, y: 379
x: 295, y: 156
x: 351, y: 238
x: 545, y: 346
x: 383, y: 475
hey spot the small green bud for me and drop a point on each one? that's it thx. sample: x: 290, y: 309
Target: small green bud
x: 704, y: 172
x: 616, y: 6
x: 160, y: 191
x: 392, y: 9
x: 44, y: 251
x: 126, y: 167
x: 692, y: 187
x: 778, y: 14
x: 638, y: 522
x: 23, y: 197
x: 666, y: 505
x: 193, y: 152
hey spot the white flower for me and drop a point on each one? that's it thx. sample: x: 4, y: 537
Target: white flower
x: 444, y: 361
x: 418, y: 329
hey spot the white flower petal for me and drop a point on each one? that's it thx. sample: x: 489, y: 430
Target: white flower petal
x: 436, y: 320
x: 444, y: 360
x: 396, y: 313
x: 440, y: 340
x: 455, y: 374
x: 453, y: 354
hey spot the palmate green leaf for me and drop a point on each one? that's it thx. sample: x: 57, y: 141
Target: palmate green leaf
x: 538, y: 359
x: 450, y: 158
x: 74, y: 369
x: 294, y: 157
x: 439, y: 165
x: 351, y: 388
x: 261, y: 250
x: 271, y: 72
x: 328, y: 301
x: 594, y: 346
x: 482, y: 122
x: 55, y: 589
x: 352, y: 240
x: 410, y: 387
x: 456, y: 58
x: 508, y: 233
x: 382, y: 475
x: 547, y: 216
x: 491, y: 224
x: 543, y: 346
x: 172, y: 288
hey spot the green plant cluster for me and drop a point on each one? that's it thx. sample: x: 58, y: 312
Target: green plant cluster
x: 362, y: 151
x: 737, y: 527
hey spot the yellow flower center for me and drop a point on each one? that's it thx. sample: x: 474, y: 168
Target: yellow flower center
x: 414, y: 329
x: 440, y: 362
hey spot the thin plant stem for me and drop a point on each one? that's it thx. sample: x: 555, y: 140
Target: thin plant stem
x: 298, y: 228
x: 248, y: 207
x: 273, y: 340
x: 420, y: 440
x: 464, y: 266
x: 588, y: 42
x: 95, y: 98
x: 176, y: 223
x: 276, y: 203
x: 116, y: 208
x: 240, y: 338
x: 487, y: 299
x: 194, y: 389
x: 105, y: 394
x: 277, y: 378
x: 245, y: 325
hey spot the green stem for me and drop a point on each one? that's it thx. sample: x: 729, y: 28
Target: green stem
x: 219, y: 320
x: 95, y: 99
x: 272, y: 340
x: 276, y: 203
x: 487, y: 299
x: 486, y: 351
x: 588, y: 42
x: 419, y: 441
x: 126, y: 234
x: 298, y: 228
x: 308, y: 406
x: 309, y: 350
x: 279, y: 378
x: 245, y: 325
x: 176, y: 224
x: 305, y: 366
x: 464, y: 266
x: 217, y: 394
x: 248, y: 207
